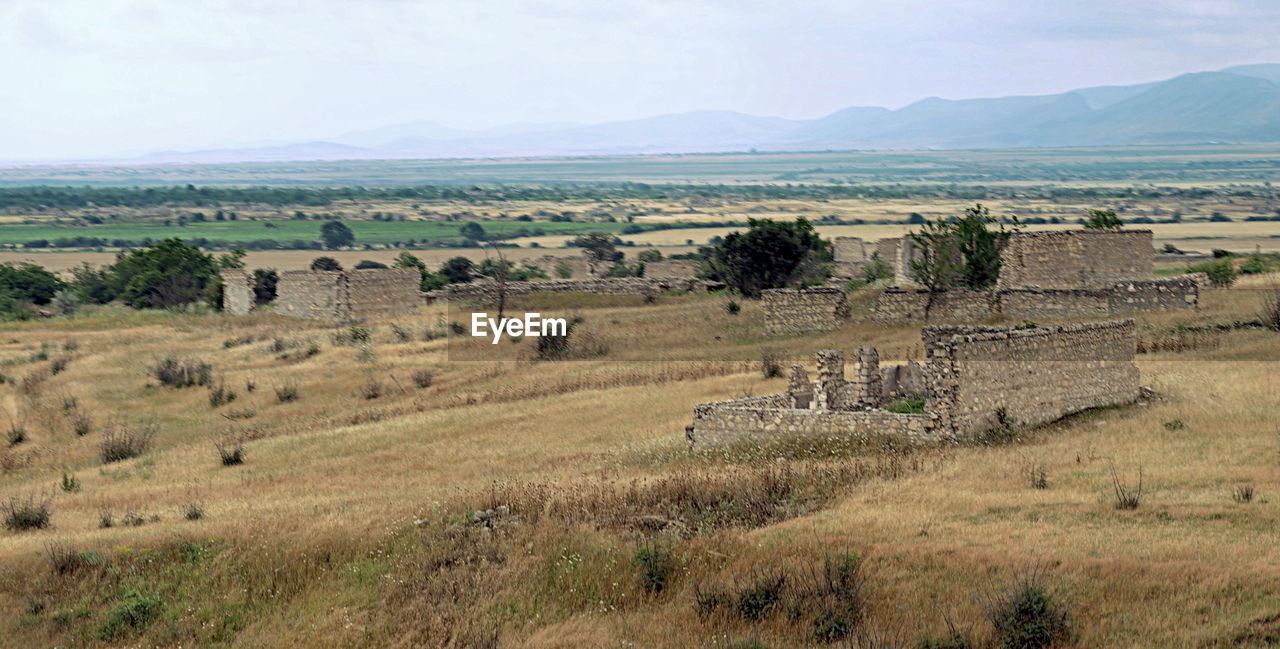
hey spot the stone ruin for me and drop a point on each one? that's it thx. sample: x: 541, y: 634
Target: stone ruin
x: 486, y: 292
x: 800, y: 311
x: 974, y: 379
x: 330, y: 295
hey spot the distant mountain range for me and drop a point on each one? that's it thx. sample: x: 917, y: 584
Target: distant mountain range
x: 1238, y: 104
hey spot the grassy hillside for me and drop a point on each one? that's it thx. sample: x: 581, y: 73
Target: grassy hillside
x: 353, y: 520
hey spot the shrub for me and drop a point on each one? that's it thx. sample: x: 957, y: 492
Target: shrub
x: 732, y: 307
x: 707, y: 602
x: 133, y: 613
x: 250, y: 385
x: 193, y: 511
x: 81, y: 423
x: 64, y: 559
x: 1270, y: 315
x: 1221, y: 272
x: 133, y: 519
x: 286, y: 393
x: 230, y: 453
x: 58, y: 365
x: 457, y: 328
x: 423, y: 378
x: 1174, y: 424
x: 770, y: 363
x: 1126, y: 497
x: 956, y: 640
x: 1242, y: 494
x: 17, y: 433
x: 220, y: 395
x: 125, y: 440
x: 70, y: 483
x: 1027, y: 616
x: 105, y: 519
x: 70, y: 345
x: 1038, y: 476
x: 910, y: 404
x: 372, y: 389
x: 657, y: 563
x: 359, y: 333
x: 26, y: 513
x: 402, y: 335
x: 182, y: 373
x: 839, y: 589
x: 759, y: 599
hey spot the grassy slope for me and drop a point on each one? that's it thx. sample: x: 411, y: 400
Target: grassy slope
x: 312, y: 542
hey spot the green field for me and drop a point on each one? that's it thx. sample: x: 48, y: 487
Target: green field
x: 1205, y: 164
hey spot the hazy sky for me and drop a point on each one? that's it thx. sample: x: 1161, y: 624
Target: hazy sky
x: 85, y: 78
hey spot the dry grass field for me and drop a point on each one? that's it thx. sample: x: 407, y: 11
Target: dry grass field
x: 351, y: 520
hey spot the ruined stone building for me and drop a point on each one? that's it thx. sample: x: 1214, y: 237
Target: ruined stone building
x: 330, y: 295
x: 974, y: 379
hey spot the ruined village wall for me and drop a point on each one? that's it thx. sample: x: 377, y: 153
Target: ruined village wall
x: 237, y: 291
x: 774, y: 416
x: 798, y: 311
x: 897, y: 305
x: 1034, y: 375
x: 671, y: 269
x: 381, y: 292
x: 310, y: 294
x: 1076, y: 258
x: 487, y: 292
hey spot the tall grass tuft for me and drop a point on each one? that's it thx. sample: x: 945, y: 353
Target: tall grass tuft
x: 182, y: 373
x: 124, y: 440
x: 26, y: 513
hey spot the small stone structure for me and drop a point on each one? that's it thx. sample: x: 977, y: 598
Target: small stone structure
x: 237, y: 291
x: 897, y: 305
x: 330, y: 295
x: 798, y: 311
x: 487, y: 292
x: 975, y: 378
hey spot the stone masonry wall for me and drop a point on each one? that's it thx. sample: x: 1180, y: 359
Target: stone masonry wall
x: 237, y: 291
x: 714, y: 423
x: 1076, y: 258
x: 896, y: 306
x: 310, y: 294
x: 799, y: 311
x: 486, y: 292
x: 1034, y: 376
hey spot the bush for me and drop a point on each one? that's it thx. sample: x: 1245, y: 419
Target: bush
x: 17, y: 433
x: 58, y: 365
x: 29, y: 513
x: 1027, y: 616
x: 372, y: 389
x: 286, y: 393
x: 657, y: 564
x: 70, y: 483
x: 423, y: 378
x: 125, y: 440
x: 81, y: 423
x: 1242, y: 494
x: 220, y: 395
x: 770, y: 363
x: 759, y: 599
x: 193, y: 511
x: 65, y: 559
x: 1221, y: 272
x: 133, y: 613
x: 911, y: 404
x: 182, y: 373
x: 231, y: 453
x: 732, y: 307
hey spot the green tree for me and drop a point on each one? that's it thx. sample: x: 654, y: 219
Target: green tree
x: 264, y: 285
x: 472, y: 232
x: 648, y: 256
x: 166, y: 275
x: 365, y: 264
x: 935, y: 262
x: 770, y: 254
x: 1102, y: 220
x: 27, y: 282
x: 457, y: 270
x: 325, y: 263
x: 980, y: 246
x: 336, y: 234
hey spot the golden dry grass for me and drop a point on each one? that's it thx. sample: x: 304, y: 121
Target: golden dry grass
x: 313, y: 541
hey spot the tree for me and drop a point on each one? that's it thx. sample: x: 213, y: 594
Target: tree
x: 325, y: 263
x: 472, y: 232
x: 264, y: 285
x: 648, y: 256
x: 27, y: 282
x: 365, y: 264
x: 770, y: 254
x: 336, y: 234
x: 980, y: 247
x: 457, y: 270
x: 1102, y: 220
x: 599, y: 249
x: 166, y: 275
x: 935, y: 261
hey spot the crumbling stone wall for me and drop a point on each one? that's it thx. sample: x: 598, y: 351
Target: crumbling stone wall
x: 487, y: 292
x: 896, y: 305
x: 348, y: 295
x: 1055, y: 259
x: 237, y: 291
x: 1076, y: 258
x: 799, y: 311
x: 973, y: 377
x: 671, y: 269
x: 1028, y: 376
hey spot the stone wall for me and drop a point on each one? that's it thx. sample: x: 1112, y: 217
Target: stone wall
x: 1076, y: 258
x: 671, y: 269
x: 1034, y: 376
x: 1054, y: 259
x: 896, y: 305
x: 798, y: 311
x: 851, y: 250
x: 486, y: 292
x: 975, y: 378
x: 348, y: 295
x: 237, y: 291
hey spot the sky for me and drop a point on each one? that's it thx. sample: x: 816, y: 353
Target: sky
x: 83, y: 79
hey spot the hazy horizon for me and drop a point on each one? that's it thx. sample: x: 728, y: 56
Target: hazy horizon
x: 126, y: 77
